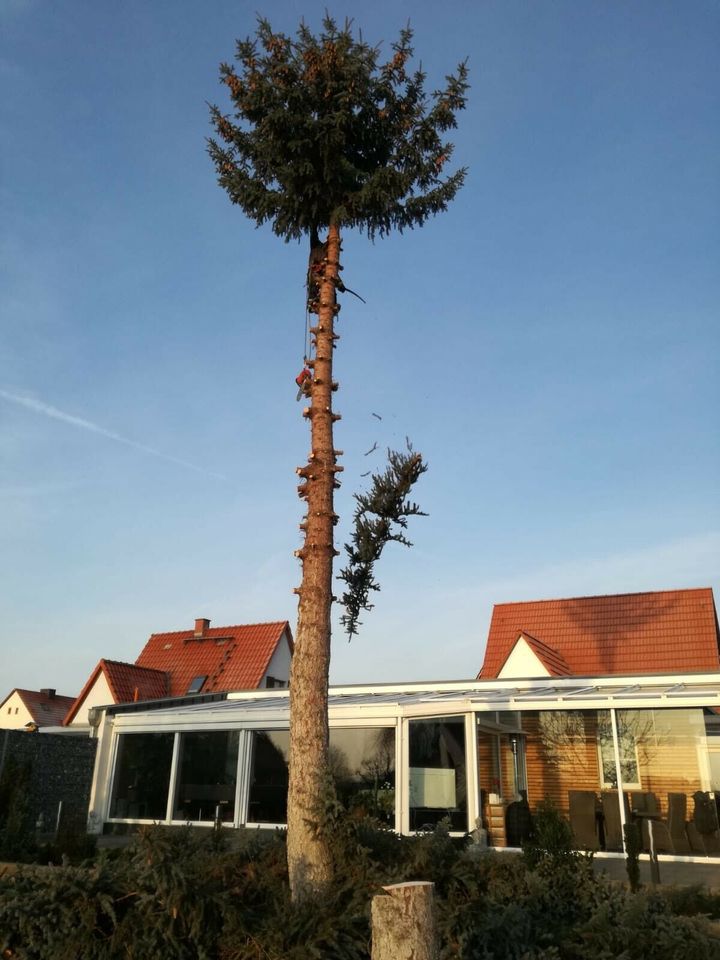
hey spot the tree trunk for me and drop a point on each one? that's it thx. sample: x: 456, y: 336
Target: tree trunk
x: 403, y: 922
x: 309, y: 862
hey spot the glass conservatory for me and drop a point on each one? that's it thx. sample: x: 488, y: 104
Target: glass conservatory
x: 480, y: 755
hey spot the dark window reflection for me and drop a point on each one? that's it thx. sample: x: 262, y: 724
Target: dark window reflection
x: 362, y: 762
x: 207, y: 772
x: 142, y: 776
x: 269, y: 781
x: 438, y: 774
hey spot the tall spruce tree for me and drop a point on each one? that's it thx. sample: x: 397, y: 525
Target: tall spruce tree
x: 322, y: 137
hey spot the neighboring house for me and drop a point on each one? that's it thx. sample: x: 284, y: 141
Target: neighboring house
x: 189, y: 662
x: 114, y: 682
x: 669, y: 631
x: 42, y: 708
x: 213, y: 659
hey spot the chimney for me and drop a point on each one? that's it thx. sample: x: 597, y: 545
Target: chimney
x: 201, y: 627
x: 48, y: 692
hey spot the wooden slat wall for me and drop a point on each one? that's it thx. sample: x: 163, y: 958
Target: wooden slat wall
x: 667, y: 760
x: 559, y: 760
x: 557, y: 763
x: 669, y: 768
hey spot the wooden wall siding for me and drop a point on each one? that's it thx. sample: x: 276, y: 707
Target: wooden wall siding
x: 669, y: 744
x: 487, y: 762
x: 507, y: 768
x: 488, y: 765
x: 561, y: 755
x: 669, y: 768
x: 493, y: 817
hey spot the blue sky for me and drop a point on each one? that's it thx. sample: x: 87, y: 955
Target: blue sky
x: 550, y: 343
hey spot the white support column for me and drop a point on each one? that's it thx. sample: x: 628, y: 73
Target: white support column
x: 618, y: 772
x: 472, y: 771
x: 100, y: 791
x: 402, y: 777
x: 173, y: 778
x: 244, y: 775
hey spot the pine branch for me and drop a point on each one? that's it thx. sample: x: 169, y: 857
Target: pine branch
x: 380, y: 518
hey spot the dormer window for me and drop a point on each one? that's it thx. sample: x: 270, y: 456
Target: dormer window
x: 196, y: 684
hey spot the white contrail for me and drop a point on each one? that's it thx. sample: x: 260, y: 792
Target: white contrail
x: 37, y: 406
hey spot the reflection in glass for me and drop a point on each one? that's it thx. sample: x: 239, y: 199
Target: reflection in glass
x: 628, y: 753
x: 671, y: 751
x: 362, y: 762
x: 142, y: 776
x: 438, y: 775
x: 562, y: 753
x: 269, y: 779
x: 207, y: 773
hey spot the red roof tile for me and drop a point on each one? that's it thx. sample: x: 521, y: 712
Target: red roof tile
x: 127, y: 683
x: 232, y: 658
x: 46, y: 711
x: 670, y: 631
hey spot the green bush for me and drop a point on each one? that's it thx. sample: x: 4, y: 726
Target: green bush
x: 691, y: 901
x: 181, y: 894
x: 550, y: 837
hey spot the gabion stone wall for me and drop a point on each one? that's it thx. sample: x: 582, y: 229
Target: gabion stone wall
x: 61, y: 768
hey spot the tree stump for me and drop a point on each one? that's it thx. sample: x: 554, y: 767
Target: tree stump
x: 403, y: 922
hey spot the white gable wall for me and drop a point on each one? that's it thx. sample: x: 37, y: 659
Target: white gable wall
x: 98, y: 695
x: 523, y: 662
x: 14, y: 714
x: 279, y: 666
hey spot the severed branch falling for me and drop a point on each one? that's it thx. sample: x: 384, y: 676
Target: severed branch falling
x: 380, y: 517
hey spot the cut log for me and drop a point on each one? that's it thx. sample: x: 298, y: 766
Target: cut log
x: 403, y: 922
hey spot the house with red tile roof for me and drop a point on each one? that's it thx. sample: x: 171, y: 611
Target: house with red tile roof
x: 187, y: 662
x: 41, y: 708
x: 115, y: 682
x: 663, y: 632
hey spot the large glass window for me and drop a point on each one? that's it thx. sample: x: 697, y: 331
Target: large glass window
x: 269, y: 780
x: 671, y: 750
x: 362, y: 763
x: 207, y: 771
x: 142, y: 776
x: 438, y: 773
x: 628, y: 752
x: 562, y: 753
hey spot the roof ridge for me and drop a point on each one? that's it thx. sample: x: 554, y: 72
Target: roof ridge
x: 135, y: 666
x: 605, y: 596
x: 233, y: 626
x: 39, y: 693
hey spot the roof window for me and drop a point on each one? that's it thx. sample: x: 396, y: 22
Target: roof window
x: 196, y: 684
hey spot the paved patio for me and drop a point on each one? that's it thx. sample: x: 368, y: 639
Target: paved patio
x: 677, y: 872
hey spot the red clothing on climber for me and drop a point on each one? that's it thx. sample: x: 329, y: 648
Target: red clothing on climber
x: 303, y: 381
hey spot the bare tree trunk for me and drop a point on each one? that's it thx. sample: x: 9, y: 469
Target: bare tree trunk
x: 309, y: 862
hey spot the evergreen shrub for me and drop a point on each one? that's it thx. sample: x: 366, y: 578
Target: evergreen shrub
x: 177, y: 894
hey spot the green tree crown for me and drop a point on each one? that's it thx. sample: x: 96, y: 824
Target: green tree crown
x: 321, y: 133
